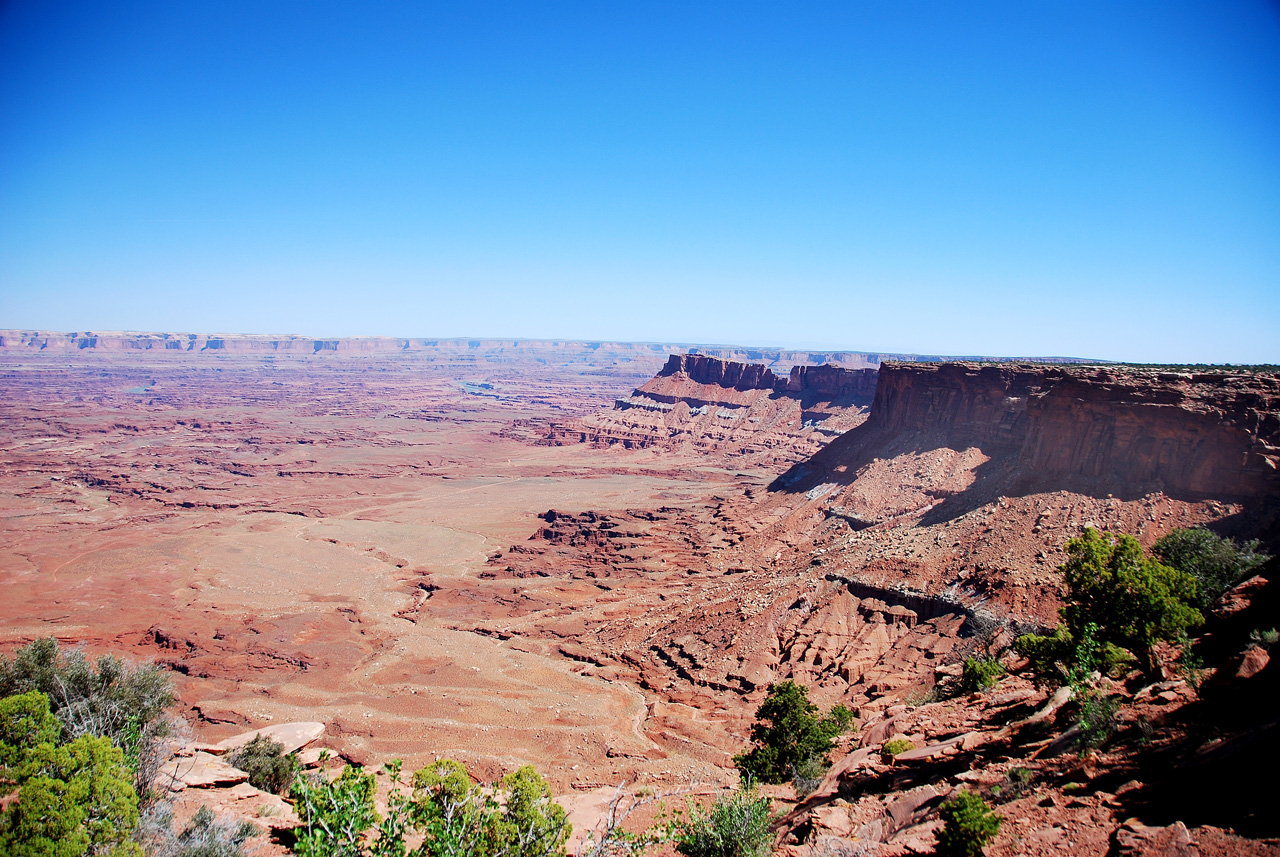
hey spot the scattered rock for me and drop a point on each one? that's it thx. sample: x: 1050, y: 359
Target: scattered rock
x: 1134, y: 839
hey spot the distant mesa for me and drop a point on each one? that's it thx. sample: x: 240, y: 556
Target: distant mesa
x: 775, y: 359
x: 126, y: 341
x: 726, y: 406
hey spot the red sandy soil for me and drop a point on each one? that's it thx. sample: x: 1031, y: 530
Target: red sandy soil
x: 303, y: 539
x: 371, y: 540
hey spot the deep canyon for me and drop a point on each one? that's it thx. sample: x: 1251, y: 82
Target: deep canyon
x: 591, y: 557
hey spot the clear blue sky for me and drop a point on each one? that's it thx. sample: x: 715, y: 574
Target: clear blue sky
x: 1022, y: 178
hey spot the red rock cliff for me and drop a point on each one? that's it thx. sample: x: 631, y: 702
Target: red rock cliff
x: 724, y: 373
x: 1210, y: 433
x: 827, y: 382
x: 735, y: 408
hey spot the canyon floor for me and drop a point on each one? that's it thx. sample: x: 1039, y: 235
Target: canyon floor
x: 310, y: 539
x: 471, y: 553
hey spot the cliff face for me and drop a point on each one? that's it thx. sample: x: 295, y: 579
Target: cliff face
x: 30, y: 342
x: 701, y: 369
x: 1197, y: 433
x: 828, y: 382
x: 731, y: 407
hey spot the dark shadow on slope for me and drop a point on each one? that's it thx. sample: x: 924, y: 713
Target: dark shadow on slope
x: 1004, y: 474
x: 1224, y: 774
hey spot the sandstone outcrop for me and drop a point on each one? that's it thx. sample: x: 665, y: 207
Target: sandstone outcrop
x: 733, y: 408
x: 291, y: 736
x: 872, y: 568
x: 1117, y: 429
x: 361, y: 537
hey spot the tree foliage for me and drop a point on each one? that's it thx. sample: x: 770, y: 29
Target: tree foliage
x: 1217, y: 564
x: 106, y: 697
x: 967, y: 825
x: 100, y: 697
x: 335, y: 814
x: 25, y: 724
x: 73, y: 799
x: 268, y: 766
x: 1133, y: 600
x: 789, y: 732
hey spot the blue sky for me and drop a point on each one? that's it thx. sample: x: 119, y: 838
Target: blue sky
x: 1086, y: 179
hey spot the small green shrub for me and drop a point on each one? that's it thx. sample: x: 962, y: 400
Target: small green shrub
x: 73, y: 798
x: 788, y: 732
x: 896, y: 747
x: 1265, y: 639
x: 968, y: 824
x: 1217, y: 564
x: 736, y: 825
x: 1017, y: 782
x: 1055, y: 658
x: 979, y: 674
x: 923, y: 695
x: 265, y: 762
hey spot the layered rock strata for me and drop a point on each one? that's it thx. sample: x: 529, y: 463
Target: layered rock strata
x: 888, y: 555
x: 725, y: 406
x: 1130, y: 431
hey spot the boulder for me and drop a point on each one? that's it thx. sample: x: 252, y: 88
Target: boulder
x: 1133, y: 839
x: 932, y: 751
x: 294, y: 736
x: 201, y: 770
x: 1255, y: 661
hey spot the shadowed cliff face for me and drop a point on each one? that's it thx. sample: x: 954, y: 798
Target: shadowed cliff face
x: 1205, y: 434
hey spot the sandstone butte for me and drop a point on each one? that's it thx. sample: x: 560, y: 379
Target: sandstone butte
x: 596, y: 557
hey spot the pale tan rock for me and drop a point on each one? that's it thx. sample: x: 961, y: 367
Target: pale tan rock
x: 1138, y: 840
x: 293, y: 736
x: 309, y: 757
x: 833, y: 820
x: 202, y: 770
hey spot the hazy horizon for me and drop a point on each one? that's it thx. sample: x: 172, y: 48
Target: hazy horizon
x: 1098, y: 181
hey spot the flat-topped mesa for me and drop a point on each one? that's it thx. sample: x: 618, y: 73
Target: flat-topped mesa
x: 1206, y: 433
x: 830, y: 382
x: 732, y: 407
x: 22, y: 342
x: 724, y: 373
